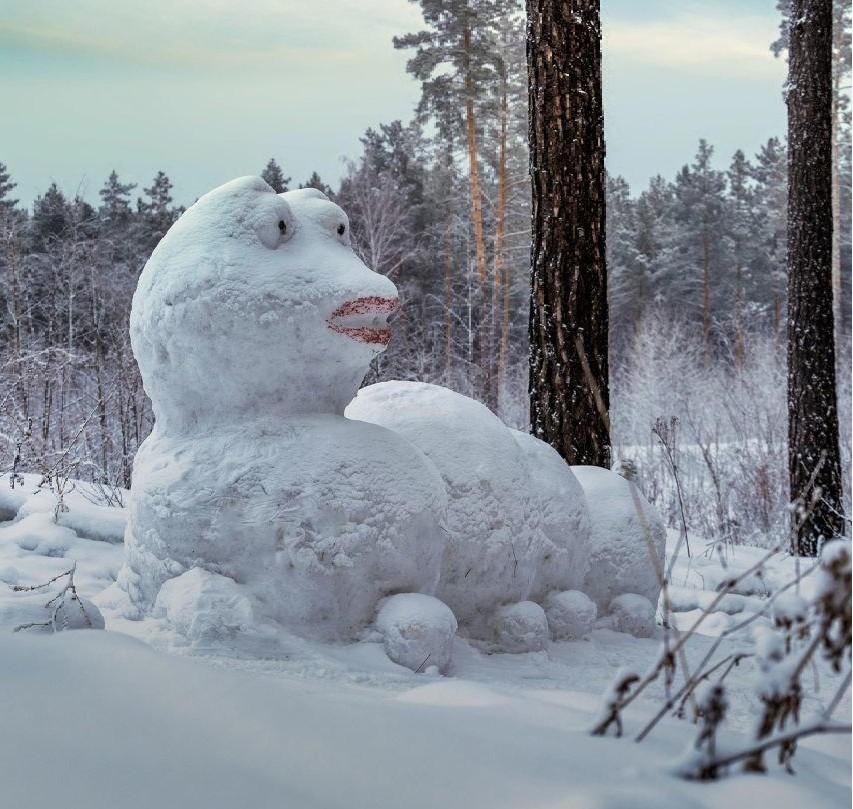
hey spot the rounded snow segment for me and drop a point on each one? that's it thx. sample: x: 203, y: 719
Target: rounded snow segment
x: 571, y: 614
x: 417, y: 630
x: 564, y: 517
x: 628, y: 538
x: 495, y: 543
x: 633, y: 614
x: 520, y: 628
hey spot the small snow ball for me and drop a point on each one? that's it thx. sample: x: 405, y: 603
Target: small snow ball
x: 627, y: 539
x: 571, y: 614
x: 417, y: 630
x: 521, y: 627
x: 633, y: 614
x: 203, y: 606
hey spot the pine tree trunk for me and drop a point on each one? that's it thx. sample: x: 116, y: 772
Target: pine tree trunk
x: 569, y: 396
x: 473, y: 170
x: 500, y: 281
x: 448, y: 299
x: 837, y: 294
x: 706, y: 297
x: 813, y: 452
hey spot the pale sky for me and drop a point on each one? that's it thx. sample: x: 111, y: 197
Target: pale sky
x: 207, y: 90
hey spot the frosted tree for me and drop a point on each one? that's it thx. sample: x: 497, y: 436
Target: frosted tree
x: 6, y: 186
x: 569, y: 393
x: 814, y: 463
x: 700, y: 210
x: 842, y: 54
x: 315, y: 181
x: 274, y: 176
x: 155, y: 212
x: 115, y: 201
x: 770, y: 173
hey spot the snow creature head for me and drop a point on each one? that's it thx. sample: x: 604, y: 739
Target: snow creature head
x: 255, y: 304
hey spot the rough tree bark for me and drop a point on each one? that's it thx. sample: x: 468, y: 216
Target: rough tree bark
x: 813, y: 450
x: 473, y: 168
x: 500, y: 282
x: 569, y: 397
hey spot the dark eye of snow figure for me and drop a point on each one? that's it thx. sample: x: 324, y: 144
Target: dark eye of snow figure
x: 341, y: 230
x: 282, y: 225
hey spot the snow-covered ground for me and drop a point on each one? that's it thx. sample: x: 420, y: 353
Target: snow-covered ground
x: 131, y: 718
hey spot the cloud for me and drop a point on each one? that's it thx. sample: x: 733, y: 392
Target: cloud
x: 734, y: 45
x: 253, y: 35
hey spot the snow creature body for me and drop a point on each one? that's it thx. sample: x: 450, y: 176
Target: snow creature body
x: 253, y: 325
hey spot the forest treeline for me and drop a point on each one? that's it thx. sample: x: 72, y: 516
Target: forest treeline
x: 440, y: 204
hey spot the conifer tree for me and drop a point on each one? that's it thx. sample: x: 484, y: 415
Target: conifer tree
x: 6, y: 185
x: 115, y: 201
x: 274, y: 177
x: 315, y: 181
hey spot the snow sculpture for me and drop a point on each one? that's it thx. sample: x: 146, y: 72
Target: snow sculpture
x: 253, y: 324
x: 624, y: 524
x: 255, y: 501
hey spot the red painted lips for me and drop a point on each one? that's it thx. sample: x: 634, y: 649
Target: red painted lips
x: 364, y: 319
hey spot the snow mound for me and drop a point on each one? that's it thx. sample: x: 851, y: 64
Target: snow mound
x: 624, y: 524
x: 495, y: 542
x: 633, y: 614
x: 417, y: 630
x: 571, y: 615
x: 564, y: 517
x: 204, y: 606
x: 82, y: 514
x: 19, y: 610
x: 520, y: 628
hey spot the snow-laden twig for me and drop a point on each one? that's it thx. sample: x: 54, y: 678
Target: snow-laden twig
x: 55, y: 604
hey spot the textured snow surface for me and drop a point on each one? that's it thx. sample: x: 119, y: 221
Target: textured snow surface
x: 564, y: 517
x: 521, y: 628
x: 226, y: 289
x: 516, y: 518
x: 633, y: 614
x: 417, y: 631
x: 253, y: 324
x: 318, y: 518
x: 99, y: 720
x: 102, y: 721
x: 571, y: 614
x: 204, y: 606
x: 623, y: 526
